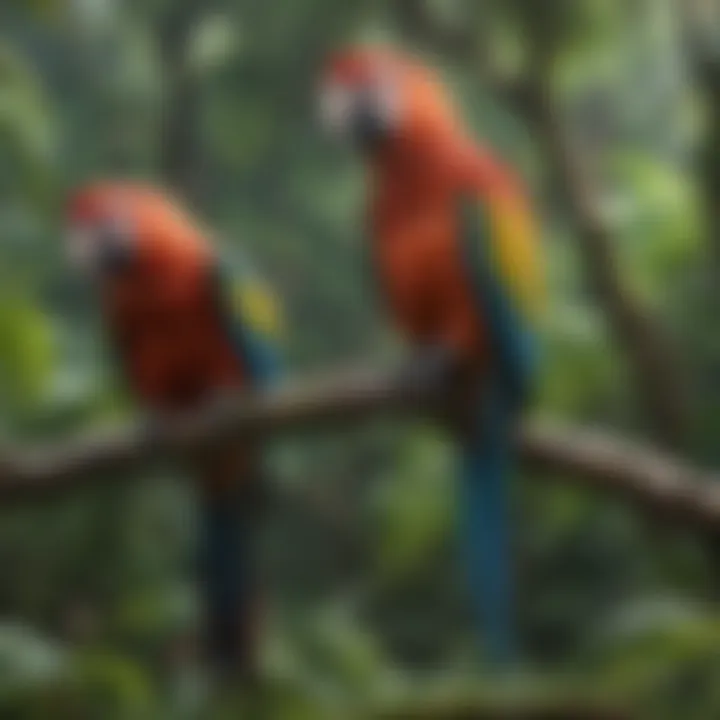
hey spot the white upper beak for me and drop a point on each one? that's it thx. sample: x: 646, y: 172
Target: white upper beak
x: 339, y: 104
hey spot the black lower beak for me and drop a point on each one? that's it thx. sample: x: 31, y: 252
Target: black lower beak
x: 369, y: 130
x: 114, y: 259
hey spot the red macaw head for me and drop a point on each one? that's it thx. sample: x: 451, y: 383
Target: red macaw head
x: 121, y: 230
x: 379, y: 97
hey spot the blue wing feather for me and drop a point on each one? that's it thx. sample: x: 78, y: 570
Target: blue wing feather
x: 261, y: 356
x: 487, y: 458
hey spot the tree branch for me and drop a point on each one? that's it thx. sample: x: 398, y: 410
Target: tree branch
x: 654, y: 482
x: 700, y: 39
x: 181, y: 153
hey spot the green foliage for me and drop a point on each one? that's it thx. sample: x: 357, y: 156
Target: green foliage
x: 215, y: 42
x: 109, y: 571
x: 658, y: 223
x: 416, y: 507
x: 27, y: 135
x: 42, y: 679
x: 664, y: 656
x: 27, y: 358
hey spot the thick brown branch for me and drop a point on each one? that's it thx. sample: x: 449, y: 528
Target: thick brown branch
x: 655, y: 483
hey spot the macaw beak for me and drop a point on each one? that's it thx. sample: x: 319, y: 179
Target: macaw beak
x: 369, y: 128
x: 355, y: 116
x: 99, y: 252
x: 113, y: 258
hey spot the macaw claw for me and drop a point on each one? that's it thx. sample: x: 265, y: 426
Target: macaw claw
x: 429, y: 373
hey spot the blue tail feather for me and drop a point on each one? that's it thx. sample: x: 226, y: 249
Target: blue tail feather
x: 228, y: 591
x: 486, y: 536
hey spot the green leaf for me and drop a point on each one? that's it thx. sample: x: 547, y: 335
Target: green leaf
x: 27, y: 136
x: 416, y: 507
x: 215, y: 42
x: 27, y: 357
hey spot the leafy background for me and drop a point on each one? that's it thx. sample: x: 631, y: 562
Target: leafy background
x: 365, y: 612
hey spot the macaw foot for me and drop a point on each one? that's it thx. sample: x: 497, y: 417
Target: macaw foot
x: 154, y: 427
x: 435, y: 376
x: 151, y: 426
x: 429, y: 371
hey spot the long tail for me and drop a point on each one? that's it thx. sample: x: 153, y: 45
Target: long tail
x: 228, y: 583
x: 486, y: 535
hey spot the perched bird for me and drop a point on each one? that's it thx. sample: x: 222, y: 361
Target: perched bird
x: 182, y: 336
x: 454, y: 253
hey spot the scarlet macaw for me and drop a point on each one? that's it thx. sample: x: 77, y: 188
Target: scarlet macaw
x: 453, y: 248
x: 183, y: 337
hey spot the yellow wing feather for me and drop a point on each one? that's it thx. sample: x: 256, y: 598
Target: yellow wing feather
x: 517, y: 252
x: 258, y: 307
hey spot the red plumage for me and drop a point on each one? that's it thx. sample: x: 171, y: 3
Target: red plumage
x: 164, y: 312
